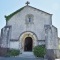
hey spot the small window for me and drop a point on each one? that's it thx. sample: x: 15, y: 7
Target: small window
x: 29, y: 19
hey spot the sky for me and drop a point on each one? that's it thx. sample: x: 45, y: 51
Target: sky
x: 50, y: 6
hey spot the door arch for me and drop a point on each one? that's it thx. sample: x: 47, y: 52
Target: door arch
x: 28, y: 44
x: 22, y: 38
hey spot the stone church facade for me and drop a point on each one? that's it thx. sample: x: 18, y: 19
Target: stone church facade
x: 28, y: 27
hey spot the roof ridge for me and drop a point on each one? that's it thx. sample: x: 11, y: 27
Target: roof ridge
x: 41, y: 10
x: 12, y: 14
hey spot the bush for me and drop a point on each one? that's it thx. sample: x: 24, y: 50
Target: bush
x: 12, y: 52
x: 39, y: 51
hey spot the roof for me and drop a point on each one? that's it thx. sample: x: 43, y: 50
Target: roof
x: 9, y: 16
x: 12, y: 14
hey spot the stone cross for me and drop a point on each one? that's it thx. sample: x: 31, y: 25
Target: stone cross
x: 27, y: 3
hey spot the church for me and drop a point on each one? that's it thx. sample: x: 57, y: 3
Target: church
x: 28, y: 27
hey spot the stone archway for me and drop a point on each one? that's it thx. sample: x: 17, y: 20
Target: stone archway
x: 28, y: 44
x: 22, y: 38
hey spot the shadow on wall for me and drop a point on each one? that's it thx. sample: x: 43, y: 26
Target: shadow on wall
x: 3, y: 51
x: 0, y: 40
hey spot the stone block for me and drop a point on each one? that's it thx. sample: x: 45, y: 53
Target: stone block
x: 3, y: 51
x: 50, y: 54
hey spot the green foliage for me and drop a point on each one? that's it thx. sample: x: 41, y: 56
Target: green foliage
x: 12, y: 52
x: 39, y: 51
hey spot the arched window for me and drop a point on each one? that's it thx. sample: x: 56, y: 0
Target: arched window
x: 29, y: 19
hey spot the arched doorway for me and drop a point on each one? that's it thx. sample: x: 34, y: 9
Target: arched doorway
x: 22, y: 40
x: 28, y: 44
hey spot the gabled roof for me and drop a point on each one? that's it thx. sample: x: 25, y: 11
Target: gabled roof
x: 12, y: 14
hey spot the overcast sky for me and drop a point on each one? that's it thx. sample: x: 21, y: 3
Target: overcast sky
x: 50, y: 6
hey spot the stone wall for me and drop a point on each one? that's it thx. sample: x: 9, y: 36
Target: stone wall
x: 51, y: 36
x: 5, y: 36
x: 55, y: 37
x: 3, y: 51
x: 58, y: 51
x: 18, y: 23
x: 0, y: 40
x: 14, y: 45
x: 48, y: 36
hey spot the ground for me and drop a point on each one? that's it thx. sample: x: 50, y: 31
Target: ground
x: 24, y: 56
x: 19, y: 58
